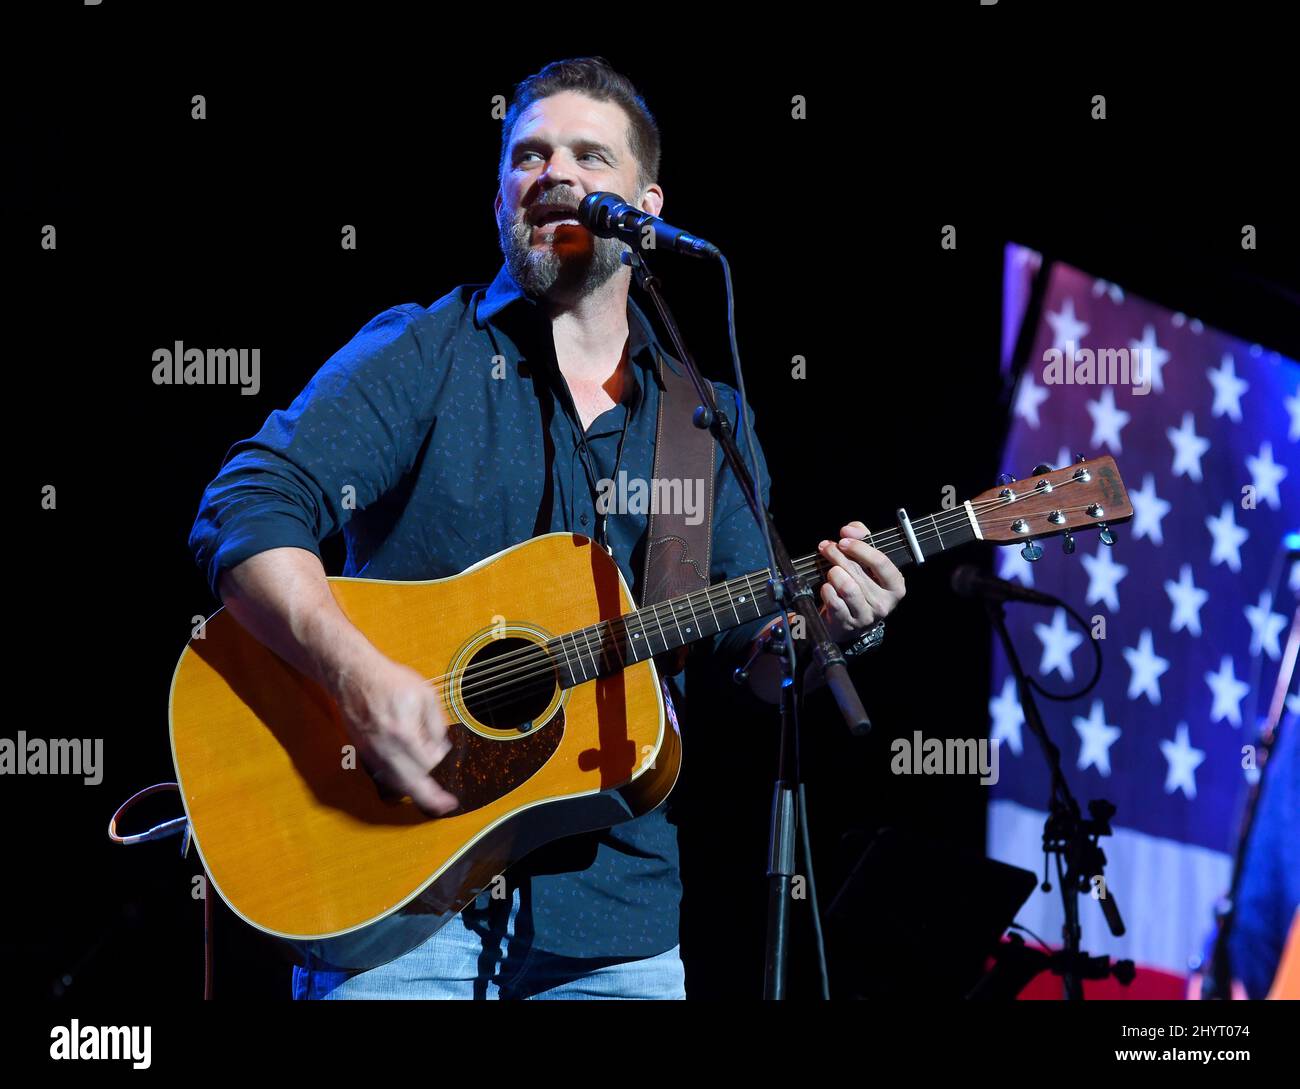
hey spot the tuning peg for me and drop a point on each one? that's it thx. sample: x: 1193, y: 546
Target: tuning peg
x: 1006, y: 478
x: 1041, y: 468
x: 1067, y: 543
x: 1080, y: 457
x: 1032, y: 551
x: 1107, y: 534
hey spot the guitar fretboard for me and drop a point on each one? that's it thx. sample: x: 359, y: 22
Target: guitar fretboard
x: 606, y: 648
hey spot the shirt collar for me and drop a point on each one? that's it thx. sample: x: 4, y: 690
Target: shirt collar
x: 643, y: 346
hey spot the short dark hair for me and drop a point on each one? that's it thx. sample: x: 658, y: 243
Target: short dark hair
x: 595, y: 78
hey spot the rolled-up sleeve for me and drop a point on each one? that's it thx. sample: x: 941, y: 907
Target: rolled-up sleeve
x: 346, y: 440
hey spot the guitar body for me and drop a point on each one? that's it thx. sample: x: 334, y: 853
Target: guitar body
x: 294, y: 833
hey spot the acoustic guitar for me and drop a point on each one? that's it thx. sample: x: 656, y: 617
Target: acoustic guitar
x: 546, y: 671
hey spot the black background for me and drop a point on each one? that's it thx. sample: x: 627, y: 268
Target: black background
x: 226, y: 232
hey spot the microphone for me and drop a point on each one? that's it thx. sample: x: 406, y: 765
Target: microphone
x: 968, y: 581
x: 607, y: 215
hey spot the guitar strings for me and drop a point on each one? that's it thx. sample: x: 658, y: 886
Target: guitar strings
x: 511, y: 668
x: 508, y: 670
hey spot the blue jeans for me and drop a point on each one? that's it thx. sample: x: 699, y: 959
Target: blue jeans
x: 486, y: 952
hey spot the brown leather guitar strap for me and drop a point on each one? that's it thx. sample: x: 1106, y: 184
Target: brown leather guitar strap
x: 679, y: 544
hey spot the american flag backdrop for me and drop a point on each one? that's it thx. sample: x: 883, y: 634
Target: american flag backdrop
x: 1197, y: 597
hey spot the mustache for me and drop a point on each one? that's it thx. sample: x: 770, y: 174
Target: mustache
x: 552, y: 203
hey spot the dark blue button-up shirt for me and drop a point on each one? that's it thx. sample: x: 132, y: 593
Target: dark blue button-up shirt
x: 438, y: 436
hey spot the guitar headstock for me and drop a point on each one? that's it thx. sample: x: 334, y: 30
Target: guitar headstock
x: 1085, y: 494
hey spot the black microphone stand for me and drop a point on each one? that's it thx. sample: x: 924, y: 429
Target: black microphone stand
x: 1071, y: 838
x: 789, y: 592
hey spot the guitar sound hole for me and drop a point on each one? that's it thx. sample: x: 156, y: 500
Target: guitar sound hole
x: 508, y: 684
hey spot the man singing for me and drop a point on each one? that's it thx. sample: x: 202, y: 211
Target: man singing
x: 429, y: 454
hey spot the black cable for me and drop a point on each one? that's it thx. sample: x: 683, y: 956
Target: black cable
x: 1042, y: 944
x: 1096, y: 673
x: 744, y: 424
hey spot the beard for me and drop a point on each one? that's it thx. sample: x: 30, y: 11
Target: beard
x: 544, y: 271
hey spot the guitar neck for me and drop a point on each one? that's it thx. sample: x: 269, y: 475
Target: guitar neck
x: 612, y: 645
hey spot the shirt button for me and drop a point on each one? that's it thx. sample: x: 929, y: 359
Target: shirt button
x: 583, y: 518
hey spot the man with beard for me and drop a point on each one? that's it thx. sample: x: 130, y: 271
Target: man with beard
x: 439, y: 436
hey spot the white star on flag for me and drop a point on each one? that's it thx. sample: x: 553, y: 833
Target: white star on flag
x: 1265, y: 626
x: 1067, y: 330
x: 1228, y: 539
x: 1293, y: 406
x: 1059, y: 642
x: 1228, y: 692
x: 1096, y: 738
x: 1028, y: 398
x: 1104, y: 576
x: 1188, y: 448
x: 1148, y: 511
x: 1107, y: 420
x: 1266, y: 474
x: 1008, y: 716
x: 1012, y: 565
x: 1183, y: 762
x: 1147, y: 668
x: 1228, y: 389
x: 1150, y: 357
x: 1187, y: 600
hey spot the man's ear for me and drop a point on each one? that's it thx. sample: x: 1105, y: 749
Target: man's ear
x: 497, y: 201
x: 652, y: 200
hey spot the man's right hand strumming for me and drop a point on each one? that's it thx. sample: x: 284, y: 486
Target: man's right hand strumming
x: 392, y: 715
x: 398, y: 725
